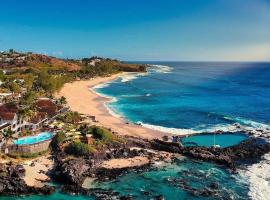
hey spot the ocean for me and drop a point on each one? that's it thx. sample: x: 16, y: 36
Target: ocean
x: 200, y: 97
x: 192, y: 97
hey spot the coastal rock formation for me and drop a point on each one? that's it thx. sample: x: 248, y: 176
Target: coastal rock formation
x: 98, y: 193
x: 12, y: 183
x: 248, y: 150
x: 71, y: 171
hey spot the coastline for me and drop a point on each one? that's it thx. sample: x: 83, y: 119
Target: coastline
x: 82, y: 98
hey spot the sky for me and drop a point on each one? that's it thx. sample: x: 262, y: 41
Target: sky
x: 156, y: 30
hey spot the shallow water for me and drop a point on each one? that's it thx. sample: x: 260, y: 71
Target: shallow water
x: 182, y: 97
x: 208, y: 140
x: 197, y: 174
x: 200, y: 97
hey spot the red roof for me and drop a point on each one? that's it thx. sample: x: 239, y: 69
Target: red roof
x: 48, y: 107
x: 38, y: 117
x: 8, y: 111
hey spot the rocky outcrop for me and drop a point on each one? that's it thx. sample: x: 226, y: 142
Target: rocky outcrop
x: 103, y: 174
x: 12, y: 183
x: 97, y: 193
x: 72, y: 171
x: 248, y: 150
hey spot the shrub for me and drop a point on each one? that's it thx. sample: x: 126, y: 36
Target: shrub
x: 102, y: 134
x: 70, y: 117
x: 78, y: 148
x: 27, y: 155
x: 59, y: 138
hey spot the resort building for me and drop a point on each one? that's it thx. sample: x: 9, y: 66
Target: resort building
x: 36, y: 122
x: 47, y: 111
x: 47, y: 106
x: 9, y: 115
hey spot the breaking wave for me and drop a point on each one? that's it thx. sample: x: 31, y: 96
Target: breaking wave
x: 160, y: 69
x: 102, y: 85
x: 182, y: 131
x: 131, y: 76
x: 258, y: 177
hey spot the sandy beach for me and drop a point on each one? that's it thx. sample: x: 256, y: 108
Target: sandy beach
x: 81, y: 98
x: 35, y: 170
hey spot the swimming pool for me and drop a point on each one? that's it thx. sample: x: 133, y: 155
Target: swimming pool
x: 223, y: 140
x: 34, y: 139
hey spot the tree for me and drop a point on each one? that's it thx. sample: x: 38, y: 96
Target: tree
x: 102, y: 134
x: 28, y: 98
x: 8, y: 134
x: 78, y: 148
x: 62, y: 100
x: 12, y: 86
x: 28, y: 81
x: 26, y: 113
x: 59, y: 138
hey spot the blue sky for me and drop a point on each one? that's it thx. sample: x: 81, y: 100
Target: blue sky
x: 189, y: 30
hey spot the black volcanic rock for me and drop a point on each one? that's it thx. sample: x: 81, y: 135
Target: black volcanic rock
x: 248, y: 150
x: 12, y: 183
x: 71, y: 171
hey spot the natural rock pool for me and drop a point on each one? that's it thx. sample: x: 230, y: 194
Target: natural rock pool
x: 208, y: 140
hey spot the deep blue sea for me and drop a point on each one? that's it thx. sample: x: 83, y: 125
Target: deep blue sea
x: 196, y: 97
x: 192, y: 97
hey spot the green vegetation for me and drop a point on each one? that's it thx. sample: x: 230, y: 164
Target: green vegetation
x: 27, y: 155
x: 46, y: 75
x: 8, y: 134
x: 58, y: 139
x: 78, y: 148
x: 62, y: 100
x: 102, y: 134
x: 70, y: 117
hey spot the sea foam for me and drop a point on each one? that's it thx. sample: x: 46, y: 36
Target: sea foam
x: 160, y: 69
x: 258, y: 176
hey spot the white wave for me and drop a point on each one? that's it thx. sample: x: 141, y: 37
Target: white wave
x: 131, y: 76
x: 252, y: 123
x: 112, y: 111
x: 179, y: 131
x: 168, y: 130
x: 258, y: 177
x: 102, y: 85
x: 160, y: 69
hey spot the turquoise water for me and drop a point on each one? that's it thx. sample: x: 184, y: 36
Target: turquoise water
x: 56, y: 196
x: 166, y: 181
x: 193, y: 97
x: 207, y: 140
x: 33, y: 139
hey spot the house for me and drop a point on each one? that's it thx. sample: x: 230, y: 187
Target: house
x: 48, y: 106
x: 47, y: 111
x: 9, y: 115
x: 36, y: 122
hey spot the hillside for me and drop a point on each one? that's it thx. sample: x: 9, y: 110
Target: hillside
x: 21, y: 73
x: 22, y: 61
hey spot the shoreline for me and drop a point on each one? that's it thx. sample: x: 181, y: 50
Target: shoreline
x: 81, y: 97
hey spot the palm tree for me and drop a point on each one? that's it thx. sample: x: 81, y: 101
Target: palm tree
x: 62, y: 100
x: 26, y: 113
x: 8, y: 135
